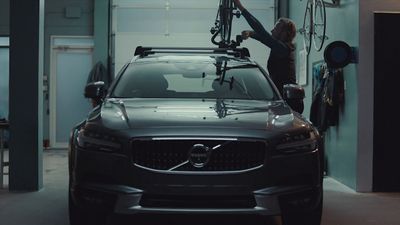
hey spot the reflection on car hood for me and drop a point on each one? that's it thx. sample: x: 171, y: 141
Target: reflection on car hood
x: 150, y: 113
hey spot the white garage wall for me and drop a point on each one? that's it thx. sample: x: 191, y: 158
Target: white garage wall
x: 180, y: 23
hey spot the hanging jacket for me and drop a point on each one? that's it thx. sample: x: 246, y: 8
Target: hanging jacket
x: 328, y: 99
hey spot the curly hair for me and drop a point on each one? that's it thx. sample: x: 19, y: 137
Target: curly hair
x: 289, y: 28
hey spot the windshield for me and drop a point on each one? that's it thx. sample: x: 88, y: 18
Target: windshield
x: 168, y: 79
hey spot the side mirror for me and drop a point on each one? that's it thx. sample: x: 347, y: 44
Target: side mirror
x: 95, y: 90
x: 294, y: 95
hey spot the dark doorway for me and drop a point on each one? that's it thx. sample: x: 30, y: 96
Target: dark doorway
x: 386, y: 165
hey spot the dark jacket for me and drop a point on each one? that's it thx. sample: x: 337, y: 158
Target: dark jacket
x: 328, y: 98
x: 281, y: 63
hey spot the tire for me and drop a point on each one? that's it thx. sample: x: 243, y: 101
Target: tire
x: 79, y: 216
x: 304, y: 218
x: 319, y: 25
x: 307, y: 30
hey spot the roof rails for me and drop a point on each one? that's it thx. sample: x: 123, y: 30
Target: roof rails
x: 236, y: 52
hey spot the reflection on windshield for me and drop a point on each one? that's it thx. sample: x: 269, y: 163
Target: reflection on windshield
x: 182, y: 79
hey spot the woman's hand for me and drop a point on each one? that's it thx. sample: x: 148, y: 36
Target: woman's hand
x: 238, y: 4
x: 246, y: 34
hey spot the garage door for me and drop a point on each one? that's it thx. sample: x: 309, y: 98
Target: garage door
x: 181, y: 23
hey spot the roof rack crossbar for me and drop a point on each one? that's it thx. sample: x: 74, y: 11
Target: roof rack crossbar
x: 237, y: 52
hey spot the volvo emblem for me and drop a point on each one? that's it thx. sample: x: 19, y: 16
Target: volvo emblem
x: 199, y: 155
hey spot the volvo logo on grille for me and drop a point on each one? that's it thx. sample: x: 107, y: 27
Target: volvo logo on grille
x: 199, y: 155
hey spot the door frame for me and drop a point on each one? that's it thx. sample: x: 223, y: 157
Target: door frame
x: 54, y: 50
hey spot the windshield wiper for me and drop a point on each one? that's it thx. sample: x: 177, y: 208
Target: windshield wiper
x: 241, y: 67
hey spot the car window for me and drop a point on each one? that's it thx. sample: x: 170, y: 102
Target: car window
x: 193, y: 80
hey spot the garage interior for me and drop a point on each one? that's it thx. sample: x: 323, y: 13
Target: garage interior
x: 48, y: 48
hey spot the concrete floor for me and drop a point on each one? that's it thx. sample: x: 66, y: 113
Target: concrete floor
x: 342, y: 206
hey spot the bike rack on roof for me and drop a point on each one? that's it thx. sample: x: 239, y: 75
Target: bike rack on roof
x: 236, y: 52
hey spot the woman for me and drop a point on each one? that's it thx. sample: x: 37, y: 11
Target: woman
x: 281, y: 64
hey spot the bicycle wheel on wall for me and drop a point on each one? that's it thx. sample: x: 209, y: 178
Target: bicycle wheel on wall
x: 307, y: 29
x: 319, y: 24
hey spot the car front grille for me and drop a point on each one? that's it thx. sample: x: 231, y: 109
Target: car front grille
x: 175, y: 154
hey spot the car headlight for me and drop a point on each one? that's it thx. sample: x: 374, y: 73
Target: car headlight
x: 93, y: 140
x: 296, y: 143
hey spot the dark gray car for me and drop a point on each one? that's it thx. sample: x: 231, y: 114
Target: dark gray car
x: 195, y: 132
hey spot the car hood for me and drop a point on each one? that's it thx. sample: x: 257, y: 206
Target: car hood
x: 120, y: 114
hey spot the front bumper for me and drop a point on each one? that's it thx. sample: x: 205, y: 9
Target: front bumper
x: 127, y: 200
x: 101, y: 181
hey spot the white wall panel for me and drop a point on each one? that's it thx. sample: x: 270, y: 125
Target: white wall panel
x: 179, y: 23
x: 192, y: 20
x: 141, y: 20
